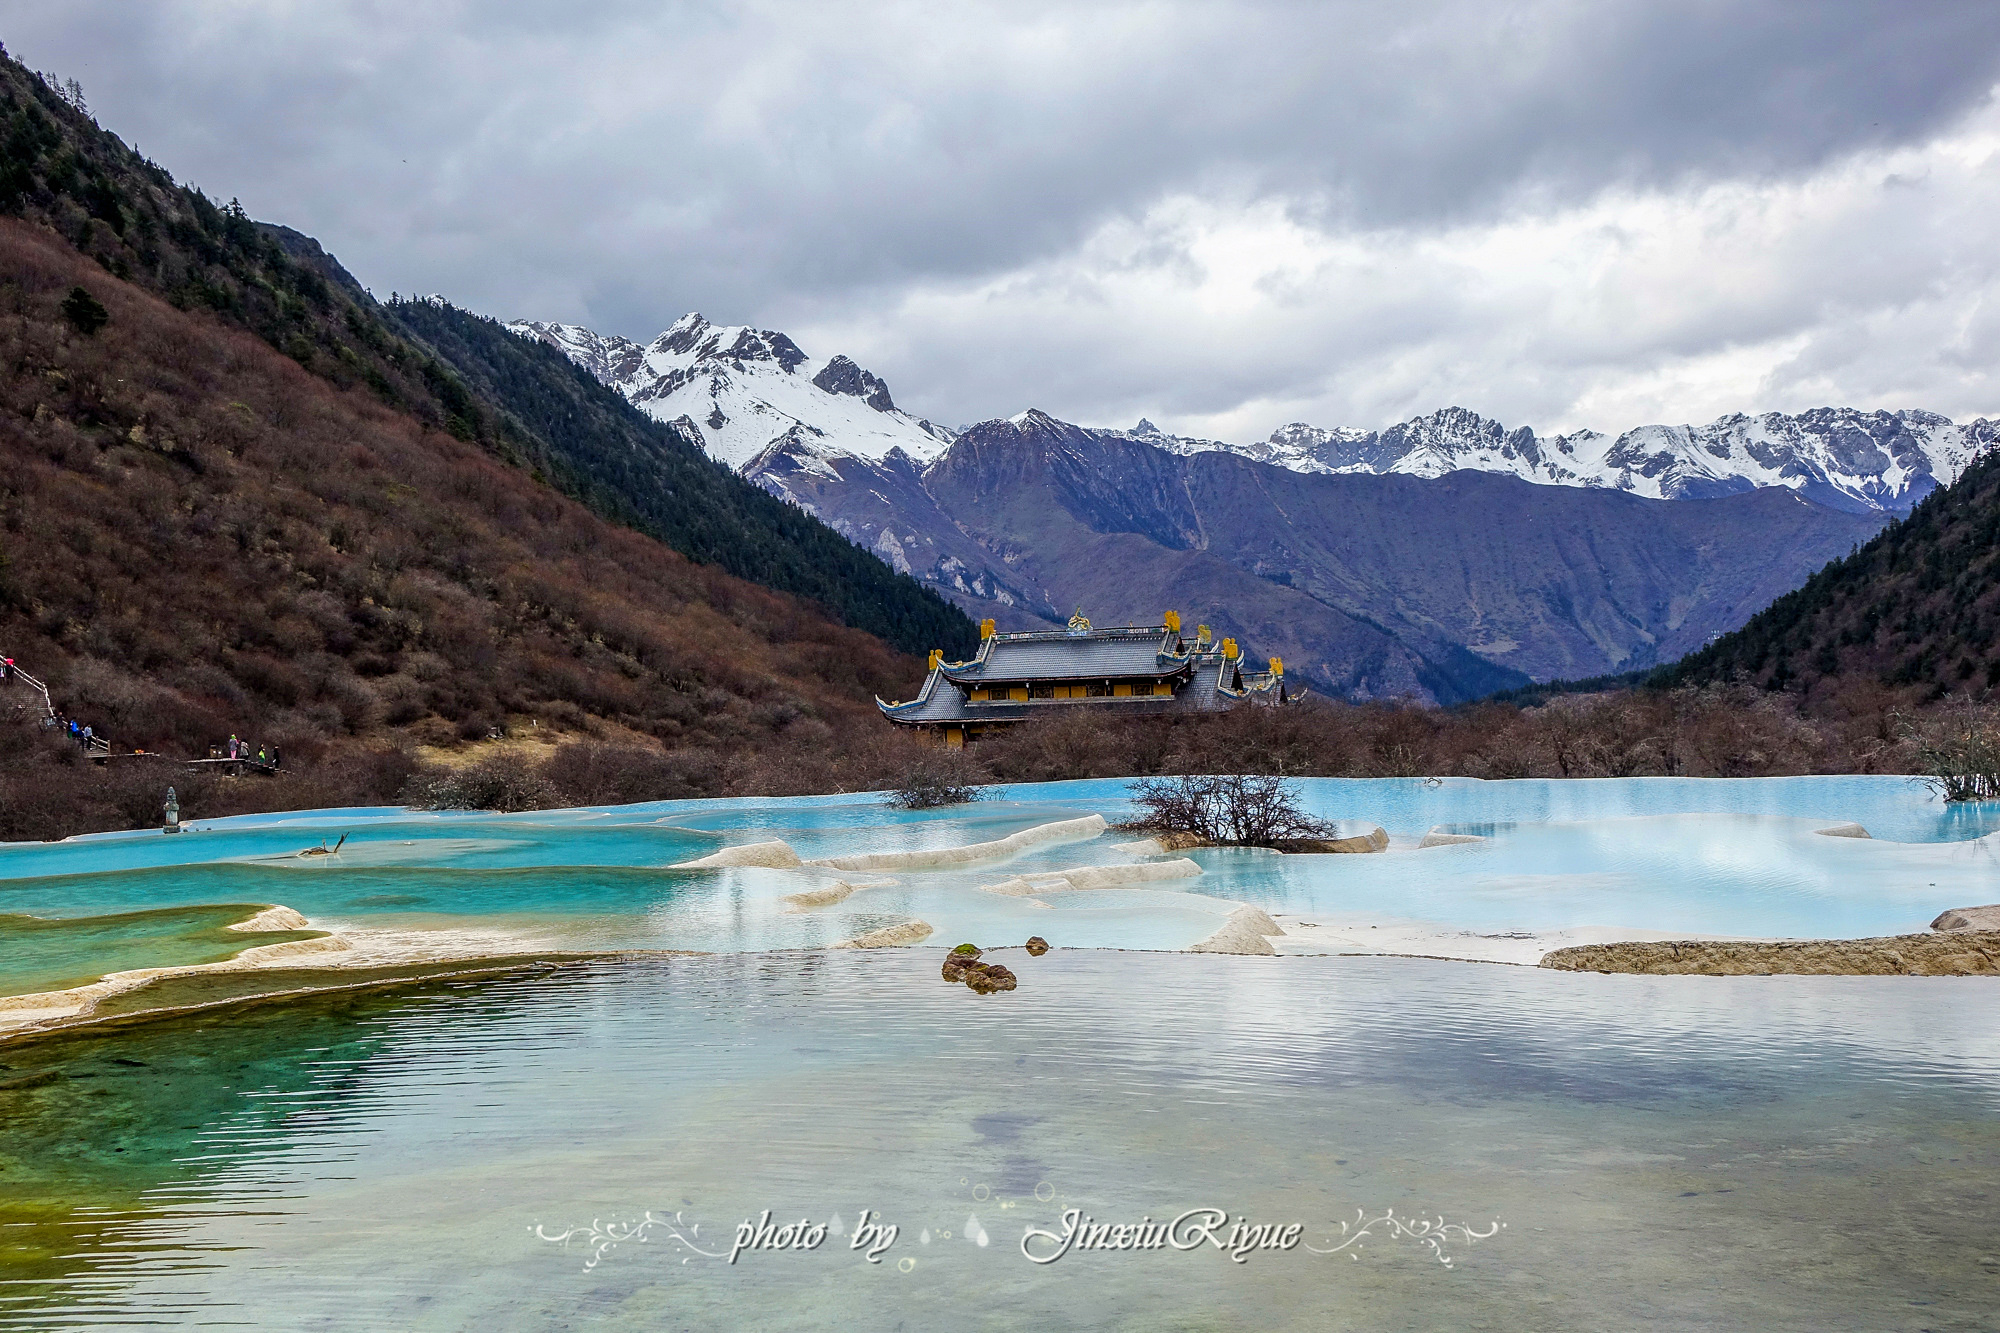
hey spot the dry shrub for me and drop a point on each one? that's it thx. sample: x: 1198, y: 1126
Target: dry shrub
x: 939, y: 778
x: 590, y: 773
x: 507, y: 781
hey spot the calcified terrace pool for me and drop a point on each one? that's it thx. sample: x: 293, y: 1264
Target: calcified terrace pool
x: 775, y: 1134
x: 1645, y: 855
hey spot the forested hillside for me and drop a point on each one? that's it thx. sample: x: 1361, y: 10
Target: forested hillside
x: 199, y: 538
x: 1916, y: 608
x: 59, y: 170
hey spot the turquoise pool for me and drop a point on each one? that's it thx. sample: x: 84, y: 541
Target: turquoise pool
x: 1729, y: 857
x: 578, y: 1148
x: 1681, y: 1153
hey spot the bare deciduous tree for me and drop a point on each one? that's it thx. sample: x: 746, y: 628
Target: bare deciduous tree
x: 1958, y: 750
x: 1237, y: 810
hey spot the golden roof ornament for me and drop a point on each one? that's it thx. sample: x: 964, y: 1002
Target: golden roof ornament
x: 1079, y: 622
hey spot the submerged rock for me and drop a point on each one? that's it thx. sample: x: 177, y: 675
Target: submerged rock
x: 1969, y: 918
x: 774, y: 855
x: 1435, y: 838
x: 1037, y: 946
x: 1375, y: 840
x: 40, y: 1078
x: 889, y: 937
x: 1842, y: 831
x: 833, y: 893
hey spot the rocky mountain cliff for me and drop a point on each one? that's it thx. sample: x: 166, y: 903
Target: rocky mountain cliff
x: 1372, y: 586
x: 741, y: 390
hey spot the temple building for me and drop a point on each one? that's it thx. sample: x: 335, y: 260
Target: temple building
x: 1146, y: 669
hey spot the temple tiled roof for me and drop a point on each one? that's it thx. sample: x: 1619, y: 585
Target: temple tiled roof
x: 1067, y: 655
x: 1209, y: 681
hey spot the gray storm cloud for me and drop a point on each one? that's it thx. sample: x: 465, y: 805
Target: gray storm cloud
x: 1223, y: 216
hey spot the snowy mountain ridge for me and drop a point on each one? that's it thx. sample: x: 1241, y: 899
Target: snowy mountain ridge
x: 754, y: 396
x: 1838, y: 456
x: 743, y: 390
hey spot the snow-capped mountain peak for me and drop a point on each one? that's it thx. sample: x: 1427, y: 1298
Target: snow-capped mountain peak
x: 753, y: 394
x: 1838, y: 456
x: 744, y: 389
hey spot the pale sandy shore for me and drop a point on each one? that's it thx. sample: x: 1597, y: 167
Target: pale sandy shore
x: 334, y: 952
x: 1320, y: 934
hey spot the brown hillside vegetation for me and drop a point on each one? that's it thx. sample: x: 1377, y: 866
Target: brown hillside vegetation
x: 202, y: 538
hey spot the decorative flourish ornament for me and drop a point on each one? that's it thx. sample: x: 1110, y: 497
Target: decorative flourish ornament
x: 602, y: 1238
x: 1433, y: 1233
x: 1078, y: 622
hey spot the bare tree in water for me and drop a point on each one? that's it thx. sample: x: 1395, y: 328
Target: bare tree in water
x: 1958, y: 750
x: 940, y: 778
x: 1242, y: 810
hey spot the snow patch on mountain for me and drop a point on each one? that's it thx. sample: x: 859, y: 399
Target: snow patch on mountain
x: 1837, y: 456
x: 744, y: 390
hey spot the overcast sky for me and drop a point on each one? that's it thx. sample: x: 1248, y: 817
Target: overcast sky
x: 1221, y: 216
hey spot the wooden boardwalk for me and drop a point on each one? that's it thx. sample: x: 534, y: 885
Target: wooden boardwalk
x: 233, y: 765
x: 99, y: 750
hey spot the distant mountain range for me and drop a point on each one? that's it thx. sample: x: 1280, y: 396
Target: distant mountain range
x: 1838, y: 456
x: 744, y: 391
x: 1370, y: 586
x: 1442, y: 558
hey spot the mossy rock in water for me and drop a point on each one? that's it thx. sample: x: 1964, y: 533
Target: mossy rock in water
x: 959, y: 959
x: 986, y: 978
x: 1037, y: 946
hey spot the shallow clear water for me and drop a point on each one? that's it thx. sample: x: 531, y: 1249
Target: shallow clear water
x: 1730, y: 857
x: 1678, y: 1153
x: 37, y: 954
